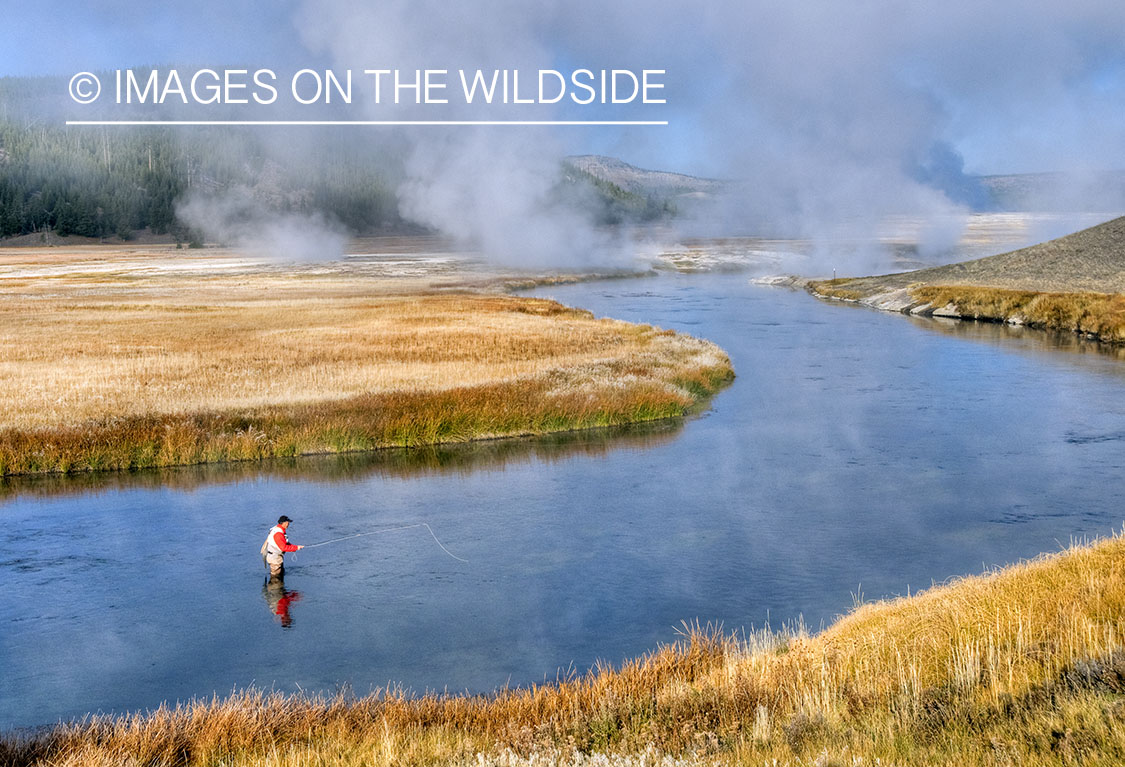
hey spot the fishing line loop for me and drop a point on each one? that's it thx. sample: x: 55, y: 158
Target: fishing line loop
x: 389, y: 530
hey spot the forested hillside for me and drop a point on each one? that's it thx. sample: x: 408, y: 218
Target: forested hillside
x: 113, y: 182
x: 102, y: 182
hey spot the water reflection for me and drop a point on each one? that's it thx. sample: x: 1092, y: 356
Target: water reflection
x: 456, y: 459
x: 279, y: 600
x: 1022, y: 338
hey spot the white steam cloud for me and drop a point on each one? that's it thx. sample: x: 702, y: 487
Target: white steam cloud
x: 496, y: 193
x: 831, y: 116
x: 493, y: 189
x: 238, y: 219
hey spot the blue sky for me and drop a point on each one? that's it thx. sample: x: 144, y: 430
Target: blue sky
x: 59, y: 37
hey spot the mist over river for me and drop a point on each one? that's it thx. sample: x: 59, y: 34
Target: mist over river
x: 856, y: 453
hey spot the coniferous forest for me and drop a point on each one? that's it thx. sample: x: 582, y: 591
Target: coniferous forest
x: 114, y: 182
x: 106, y: 182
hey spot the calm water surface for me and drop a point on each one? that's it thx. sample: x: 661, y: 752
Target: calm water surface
x: 857, y: 452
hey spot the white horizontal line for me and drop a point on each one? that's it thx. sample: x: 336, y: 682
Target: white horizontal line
x: 367, y: 122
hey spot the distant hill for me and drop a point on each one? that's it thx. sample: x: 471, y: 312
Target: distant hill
x: 646, y: 183
x: 616, y: 192
x: 1090, y: 260
x: 1053, y: 192
x: 1056, y: 192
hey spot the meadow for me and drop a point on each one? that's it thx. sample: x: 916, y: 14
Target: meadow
x: 131, y: 359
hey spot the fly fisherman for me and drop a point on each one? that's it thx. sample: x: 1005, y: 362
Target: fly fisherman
x: 273, y: 550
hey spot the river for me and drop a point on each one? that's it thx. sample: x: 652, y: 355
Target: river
x: 857, y: 455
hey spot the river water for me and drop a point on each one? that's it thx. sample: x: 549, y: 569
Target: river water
x: 856, y: 455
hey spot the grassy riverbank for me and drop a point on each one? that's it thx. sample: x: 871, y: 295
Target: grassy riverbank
x: 1097, y: 315
x: 129, y: 360
x: 1025, y: 665
x: 1073, y: 284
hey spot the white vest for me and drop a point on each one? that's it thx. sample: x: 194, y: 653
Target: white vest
x: 271, y: 545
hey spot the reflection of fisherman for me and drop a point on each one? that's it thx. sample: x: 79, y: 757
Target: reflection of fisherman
x: 273, y: 550
x: 279, y: 598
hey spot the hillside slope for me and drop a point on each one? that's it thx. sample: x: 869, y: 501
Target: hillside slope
x: 1090, y: 260
x: 1072, y: 284
x: 647, y: 183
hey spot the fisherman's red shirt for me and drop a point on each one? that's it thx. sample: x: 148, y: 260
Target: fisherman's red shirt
x: 281, y: 541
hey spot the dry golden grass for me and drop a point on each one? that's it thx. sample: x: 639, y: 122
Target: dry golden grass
x: 1024, y: 666
x: 461, y: 458
x: 835, y: 289
x: 120, y: 360
x: 1101, y: 315
x: 1097, y: 315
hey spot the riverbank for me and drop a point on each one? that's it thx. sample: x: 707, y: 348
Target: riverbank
x: 1072, y: 284
x: 124, y: 359
x: 1099, y: 316
x: 1024, y: 665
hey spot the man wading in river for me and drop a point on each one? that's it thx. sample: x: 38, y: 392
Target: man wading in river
x: 273, y: 550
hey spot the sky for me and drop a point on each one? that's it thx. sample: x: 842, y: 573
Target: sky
x: 831, y: 112
x: 1010, y: 86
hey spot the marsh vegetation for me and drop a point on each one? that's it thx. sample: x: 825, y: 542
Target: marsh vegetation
x: 127, y: 365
